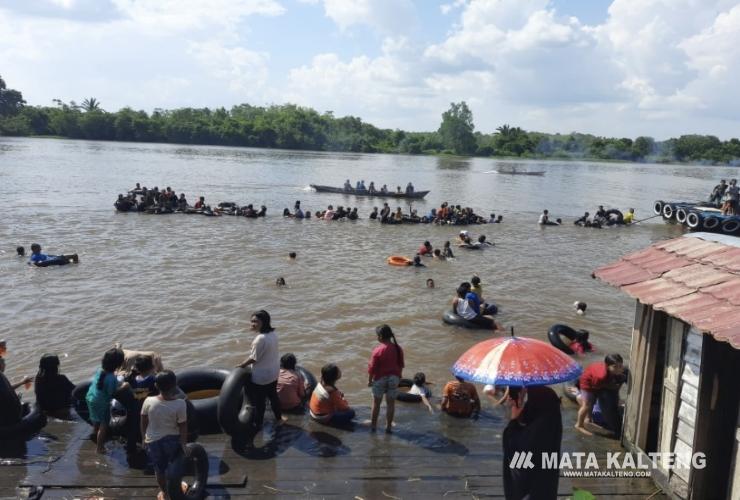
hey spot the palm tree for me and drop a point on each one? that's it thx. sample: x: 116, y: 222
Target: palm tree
x: 90, y: 104
x: 504, y: 130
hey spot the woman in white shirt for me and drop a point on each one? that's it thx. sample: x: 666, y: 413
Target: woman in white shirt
x: 265, y: 362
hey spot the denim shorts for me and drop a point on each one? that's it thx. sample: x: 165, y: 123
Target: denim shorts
x: 163, y: 451
x: 386, y: 385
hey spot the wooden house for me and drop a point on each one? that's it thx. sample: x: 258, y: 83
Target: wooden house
x: 685, y: 391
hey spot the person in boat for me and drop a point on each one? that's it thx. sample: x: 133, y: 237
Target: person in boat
x: 374, y: 213
x: 137, y: 189
x: 583, y: 221
x: 37, y: 258
x: 357, y: 186
x: 201, y: 203
x: 718, y: 193
x: 362, y: 186
x: 182, y: 202
x: 347, y: 185
x: 371, y: 189
x: 384, y: 189
x: 329, y: 214
x: 447, y: 251
x: 123, y: 204
x: 426, y: 249
x: 409, y: 188
x: 629, y: 217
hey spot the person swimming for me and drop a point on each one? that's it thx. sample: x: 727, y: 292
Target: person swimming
x: 20, y: 251
x: 42, y: 260
x: 430, y: 283
x: 280, y: 282
x: 417, y: 261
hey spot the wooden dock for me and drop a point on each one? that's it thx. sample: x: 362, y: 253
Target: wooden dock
x: 426, y: 457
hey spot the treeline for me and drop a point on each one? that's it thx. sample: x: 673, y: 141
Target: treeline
x: 293, y: 127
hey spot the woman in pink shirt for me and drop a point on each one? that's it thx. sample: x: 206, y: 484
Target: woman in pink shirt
x: 384, y: 374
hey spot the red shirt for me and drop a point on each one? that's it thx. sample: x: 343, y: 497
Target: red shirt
x: 594, y: 377
x: 386, y: 359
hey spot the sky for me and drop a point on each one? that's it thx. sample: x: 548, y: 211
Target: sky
x: 622, y: 68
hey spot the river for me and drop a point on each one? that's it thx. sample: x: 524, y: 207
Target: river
x: 187, y: 285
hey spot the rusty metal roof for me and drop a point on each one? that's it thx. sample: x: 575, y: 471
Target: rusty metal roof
x: 695, y: 278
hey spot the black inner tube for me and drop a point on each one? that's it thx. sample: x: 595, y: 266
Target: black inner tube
x: 554, y: 336
x: 196, y: 463
x: 405, y: 397
x: 233, y: 413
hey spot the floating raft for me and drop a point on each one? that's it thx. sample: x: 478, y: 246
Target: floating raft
x: 698, y: 217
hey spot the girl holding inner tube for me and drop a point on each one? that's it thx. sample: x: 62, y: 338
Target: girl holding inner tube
x: 264, y: 359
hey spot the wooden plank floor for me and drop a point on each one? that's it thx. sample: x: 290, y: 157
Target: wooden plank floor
x: 426, y: 457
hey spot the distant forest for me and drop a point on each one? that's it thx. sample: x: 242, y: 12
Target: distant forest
x: 289, y: 126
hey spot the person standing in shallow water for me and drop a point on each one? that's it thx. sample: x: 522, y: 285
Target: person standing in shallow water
x: 384, y: 373
x: 264, y: 358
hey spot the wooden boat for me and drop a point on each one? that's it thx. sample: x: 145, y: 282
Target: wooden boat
x: 515, y: 172
x: 416, y: 195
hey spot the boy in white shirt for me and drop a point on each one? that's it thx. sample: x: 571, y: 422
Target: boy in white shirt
x: 164, y: 426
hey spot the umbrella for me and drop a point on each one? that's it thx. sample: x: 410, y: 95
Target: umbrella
x: 516, y: 361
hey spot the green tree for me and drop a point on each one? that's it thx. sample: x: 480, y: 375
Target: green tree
x: 90, y: 104
x: 11, y: 101
x: 456, y: 130
x: 643, y: 147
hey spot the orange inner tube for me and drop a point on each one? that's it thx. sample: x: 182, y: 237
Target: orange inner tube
x: 399, y: 260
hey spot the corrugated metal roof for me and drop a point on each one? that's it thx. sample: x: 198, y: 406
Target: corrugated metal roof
x: 695, y: 279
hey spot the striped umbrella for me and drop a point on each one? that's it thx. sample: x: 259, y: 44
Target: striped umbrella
x: 516, y: 361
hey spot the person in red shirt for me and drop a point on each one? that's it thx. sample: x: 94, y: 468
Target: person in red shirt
x: 425, y: 249
x: 594, y: 378
x: 384, y: 374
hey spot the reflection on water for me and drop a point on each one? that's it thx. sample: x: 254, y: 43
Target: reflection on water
x: 186, y: 285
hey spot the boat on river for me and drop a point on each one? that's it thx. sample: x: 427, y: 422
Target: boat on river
x: 416, y: 195
x: 515, y: 172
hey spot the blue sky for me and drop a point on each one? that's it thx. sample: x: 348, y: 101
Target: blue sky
x: 609, y: 67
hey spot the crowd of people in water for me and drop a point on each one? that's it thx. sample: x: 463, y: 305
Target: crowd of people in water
x: 158, y: 424
x: 601, y: 218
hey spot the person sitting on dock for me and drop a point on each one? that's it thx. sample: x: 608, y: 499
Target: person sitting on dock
x: 594, y: 378
x: 460, y: 399
x: 328, y: 405
x: 347, y: 185
x: 409, y: 188
x: 291, y: 387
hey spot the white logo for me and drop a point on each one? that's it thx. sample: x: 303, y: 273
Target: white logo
x: 522, y: 460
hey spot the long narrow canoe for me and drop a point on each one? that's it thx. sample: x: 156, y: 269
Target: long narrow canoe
x: 514, y: 172
x: 416, y: 195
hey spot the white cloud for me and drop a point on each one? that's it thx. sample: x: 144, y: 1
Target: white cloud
x: 389, y: 17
